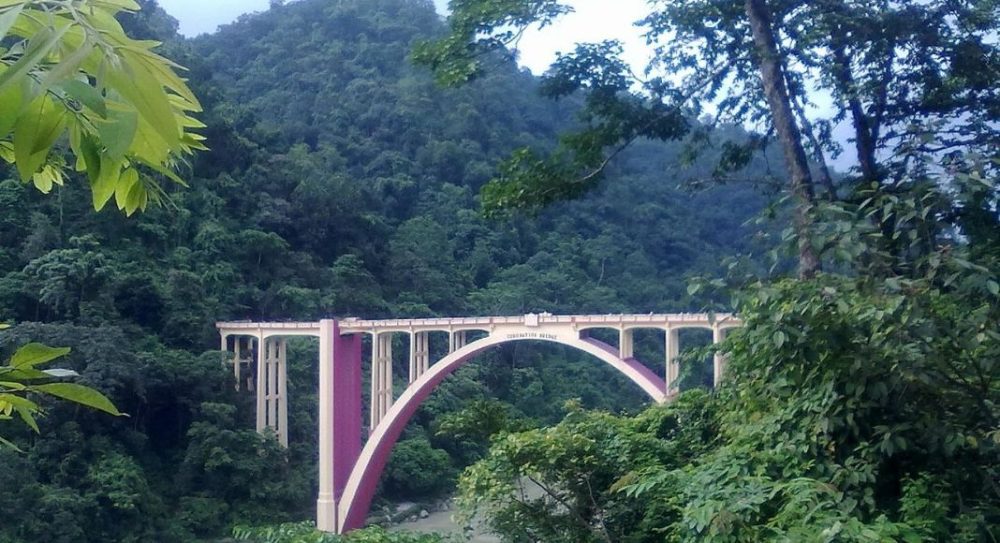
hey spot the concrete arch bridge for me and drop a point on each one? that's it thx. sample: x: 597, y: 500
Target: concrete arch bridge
x: 349, y: 468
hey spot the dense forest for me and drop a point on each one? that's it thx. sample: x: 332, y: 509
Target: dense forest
x: 371, y: 158
x: 340, y: 180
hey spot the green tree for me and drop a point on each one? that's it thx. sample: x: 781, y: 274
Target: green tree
x: 904, y: 78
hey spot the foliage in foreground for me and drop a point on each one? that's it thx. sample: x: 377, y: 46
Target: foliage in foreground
x: 305, y: 532
x: 21, y: 376
x: 71, y: 72
x: 863, y: 406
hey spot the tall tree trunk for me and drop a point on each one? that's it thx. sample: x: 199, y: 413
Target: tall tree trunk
x: 799, y: 178
x: 864, y: 139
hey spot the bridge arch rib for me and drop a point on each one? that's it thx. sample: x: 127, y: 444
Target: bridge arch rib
x: 357, y: 495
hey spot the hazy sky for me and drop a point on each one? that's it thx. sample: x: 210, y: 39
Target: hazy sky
x: 594, y: 20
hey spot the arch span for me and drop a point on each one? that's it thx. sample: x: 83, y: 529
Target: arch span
x: 360, y: 488
x: 347, y: 475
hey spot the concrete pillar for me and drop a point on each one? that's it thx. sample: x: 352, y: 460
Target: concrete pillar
x: 718, y: 361
x: 382, y: 398
x: 414, y: 372
x: 283, y: 391
x: 326, y: 503
x: 625, y: 346
x: 419, y: 355
x: 272, y: 384
x: 673, y: 370
x: 261, y: 388
x: 339, y: 418
x: 423, y: 352
x: 236, y: 358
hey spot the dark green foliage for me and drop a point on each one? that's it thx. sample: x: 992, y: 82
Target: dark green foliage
x: 417, y: 471
x: 305, y: 532
x: 340, y: 182
x: 858, y: 407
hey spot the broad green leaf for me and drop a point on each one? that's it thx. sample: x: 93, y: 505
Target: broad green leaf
x: 12, y: 99
x: 9, y: 444
x: 779, y: 338
x: 90, y: 155
x: 103, y: 188
x: 68, y: 66
x: 128, y: 180
x: 40, y: 45
x: 146, y: 93
x: 993, y: 287
x: 23, y: 406
x: 137, y: 199
x: 45, y: 178
x: 118, y: 132
x: 81, y: 395
x: 35, y: 131
x: 25, y: 374
x: 34, y: 354
x: 86, y: 94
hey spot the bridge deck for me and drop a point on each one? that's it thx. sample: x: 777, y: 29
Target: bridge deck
x: 354, y: 325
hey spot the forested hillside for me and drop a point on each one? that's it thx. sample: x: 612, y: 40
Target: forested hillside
x: 340, y: 182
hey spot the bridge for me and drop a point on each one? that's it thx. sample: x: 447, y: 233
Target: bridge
x: 348, y: 471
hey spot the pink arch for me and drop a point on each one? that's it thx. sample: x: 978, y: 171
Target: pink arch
x: 356, y: 499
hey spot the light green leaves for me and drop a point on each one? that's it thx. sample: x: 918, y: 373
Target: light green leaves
x: 79, y: 394
x: 35, y: 50
x: 35, y: 131
x: 34, y: 354
x: 72, y: 69
x: 19, y: 378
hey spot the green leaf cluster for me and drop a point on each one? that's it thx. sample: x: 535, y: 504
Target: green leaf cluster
x: 72, y: 80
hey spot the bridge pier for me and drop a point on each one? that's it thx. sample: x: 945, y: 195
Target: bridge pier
x: 719, y: 360
x: 673, y: 369
x: 456, y: 340
x: 382, y: 397
x: 419, y: 355
x: 626, y: 345
x: 271, y: 387
x: 339, y: 418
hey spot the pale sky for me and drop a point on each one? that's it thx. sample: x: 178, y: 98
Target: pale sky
x: 594, y: 20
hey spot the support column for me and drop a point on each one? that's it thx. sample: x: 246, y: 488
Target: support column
x: 382, y: 398
x: 718, y: 361
x: 261, y: 388
x: 673, y: 369
x: 625, y: 345
x: 418, y: 355
x: 339, y: 418
x: 272, y: 384
x: 283, y: 391
x: 236, y: 358
x: 414, y: 371
x: 456, y: 340
x: 423, y: 352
